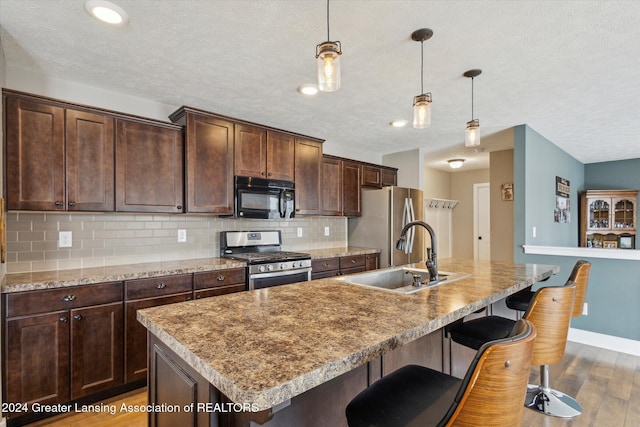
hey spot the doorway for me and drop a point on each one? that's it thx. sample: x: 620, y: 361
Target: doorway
x: 481, y: 222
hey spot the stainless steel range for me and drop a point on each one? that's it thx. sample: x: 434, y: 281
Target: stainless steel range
x: 267, y: 264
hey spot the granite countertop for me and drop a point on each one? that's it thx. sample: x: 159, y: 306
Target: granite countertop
x: 269, y: 345
x: 18, y: 282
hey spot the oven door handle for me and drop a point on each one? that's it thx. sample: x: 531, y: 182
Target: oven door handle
x: 279, y: 273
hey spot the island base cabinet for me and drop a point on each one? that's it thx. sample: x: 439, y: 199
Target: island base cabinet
x: 176, y: 385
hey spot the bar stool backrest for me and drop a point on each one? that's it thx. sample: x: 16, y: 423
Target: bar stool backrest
x: 580, y: 276
x: 550, y: 312
x: 494, y: 387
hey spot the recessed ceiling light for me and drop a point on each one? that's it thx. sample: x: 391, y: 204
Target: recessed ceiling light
x: 400, y: 123
x: 308, y: 89
x: 106, y: 12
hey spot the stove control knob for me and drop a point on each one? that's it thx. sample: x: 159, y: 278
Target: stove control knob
x: 283, y: 266
x: 293, y: 265
x: 261, y: 268
x: 270, y: 267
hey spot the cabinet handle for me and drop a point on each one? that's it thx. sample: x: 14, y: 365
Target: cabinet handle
x: 63, y: 319
x: 353, y: 261
x: 220, y: 278
x: 179, y: 207
x: 199, y: 297
x: 190, y: 298
x: 72, y: 204
x: 324, y: 264
x: 269, y: 174
x: 68, y: 298
x: 58, y: 203
x: 161, y: 286
x: 262, y: 173
x: 77, y: 317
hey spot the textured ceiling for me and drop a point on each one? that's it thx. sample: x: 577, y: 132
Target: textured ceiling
x: 568, y: 69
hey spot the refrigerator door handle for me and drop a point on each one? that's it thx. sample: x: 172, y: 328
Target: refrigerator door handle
x: 406, y: 218
x: 412, y: 217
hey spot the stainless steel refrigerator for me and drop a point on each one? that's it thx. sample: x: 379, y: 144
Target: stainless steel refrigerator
x: 384, y: 213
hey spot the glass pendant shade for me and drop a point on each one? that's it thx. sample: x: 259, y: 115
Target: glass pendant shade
x: 472, y: 133
x: 422, y: 111
x: 328, y: 55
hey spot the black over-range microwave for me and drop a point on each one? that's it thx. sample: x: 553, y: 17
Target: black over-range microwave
x: 264, y: 198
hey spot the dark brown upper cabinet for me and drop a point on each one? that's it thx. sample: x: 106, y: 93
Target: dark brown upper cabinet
x: 308, y: 177
x: 351, y: 191
x: 331, y: 186
x: 209, y: 148
x: 58, y: 158
x: 264, y: 153
x: 149, y: 167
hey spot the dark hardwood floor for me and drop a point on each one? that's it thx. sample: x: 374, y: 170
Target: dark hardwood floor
x: 606, y: 383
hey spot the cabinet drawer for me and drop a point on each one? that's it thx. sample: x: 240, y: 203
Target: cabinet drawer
x: 214, y: 279
x: 325, y: 264
x: 42, y: 301
x: 158, y: 286
x: 220, y: 290
x: 324, y: 274
x: 352, y: 261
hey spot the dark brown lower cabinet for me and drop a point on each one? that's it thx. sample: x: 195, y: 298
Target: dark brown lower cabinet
x: 349, y: 264
x: 37, y: 359
x: 96, y: 349
x: 174, y: 382
x: 136, y: 335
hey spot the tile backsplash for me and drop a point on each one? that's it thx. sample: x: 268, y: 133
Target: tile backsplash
x: 115, y: 239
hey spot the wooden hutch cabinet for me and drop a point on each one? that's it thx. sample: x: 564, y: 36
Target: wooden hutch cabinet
x: 608, y: 218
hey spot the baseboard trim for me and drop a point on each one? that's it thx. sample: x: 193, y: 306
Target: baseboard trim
x: 609, y: 342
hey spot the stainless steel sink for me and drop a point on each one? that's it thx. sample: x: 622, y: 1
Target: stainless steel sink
x: 401, y: 279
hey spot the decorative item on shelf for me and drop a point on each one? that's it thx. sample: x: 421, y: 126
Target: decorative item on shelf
x: 455, y: 163
x: 422, y: 102
x: 328, y: 56
x: 507, y: 191
x: 472, y: 133
x: 441, y: 203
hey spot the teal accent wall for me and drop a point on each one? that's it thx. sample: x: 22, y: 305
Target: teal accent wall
x: 613, y: 296
x: 538, y: 162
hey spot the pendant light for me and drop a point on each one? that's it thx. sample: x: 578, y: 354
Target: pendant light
x: 422, y: 102
x: 472, y: 133
x: 328, y: 56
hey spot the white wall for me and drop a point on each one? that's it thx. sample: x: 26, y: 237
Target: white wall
x: 410, y: 166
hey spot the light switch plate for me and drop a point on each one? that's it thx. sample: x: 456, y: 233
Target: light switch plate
x: 326, y: 231
x: 299, y: 231
x: 182, y: 236
x: 65, y: 239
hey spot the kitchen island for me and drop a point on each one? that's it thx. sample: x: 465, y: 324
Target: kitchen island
x: 296, y: 354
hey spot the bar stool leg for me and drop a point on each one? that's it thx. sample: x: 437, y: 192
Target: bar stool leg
x: 543, y: 398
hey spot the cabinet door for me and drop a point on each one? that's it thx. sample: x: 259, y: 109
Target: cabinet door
x: 371, y: 176
x: 37, y: 364
x: 389, y: 177
x: 34, y: 156
x: 372, y: 262
x: 250, y: 151
x: 136, y: 335
x: 96, y: 349
x: 624, y: 214
x: 280, y: 156
x: 308, y: 177
x: 149, y: 168
x: 89, y: 161
x: 331, y: 186
x: 209, y: 180
x: 351, y: 196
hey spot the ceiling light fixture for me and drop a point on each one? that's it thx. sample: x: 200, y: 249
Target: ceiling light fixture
x: 400, y: 123
x: 472, y: 134
x: 309, y: 89
x: 328, y: 56
x: 456, y: 163
x: 106, y: 11
x: 422, y: 102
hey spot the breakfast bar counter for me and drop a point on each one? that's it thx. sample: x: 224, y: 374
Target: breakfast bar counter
x: 267, y: 349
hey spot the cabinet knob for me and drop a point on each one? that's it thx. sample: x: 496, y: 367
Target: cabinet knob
x: 198, y: 296
x: 77, y: 317
x: 179, y: 207
x: 68, y: 298
x: 72, y: 204
x: 59, y: 203
x: 262, y: 173
x: 220, y: 278
x: 161, y: 286
x: 63, y: 320
x: 269, y: 174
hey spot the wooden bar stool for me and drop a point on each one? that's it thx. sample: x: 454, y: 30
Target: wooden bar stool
x: 579, y: 275
x: 550, y: 311
x: 490, y: 394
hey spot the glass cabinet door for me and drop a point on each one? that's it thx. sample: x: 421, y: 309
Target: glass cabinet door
x: 623, y: 214
x: 599, y: 213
